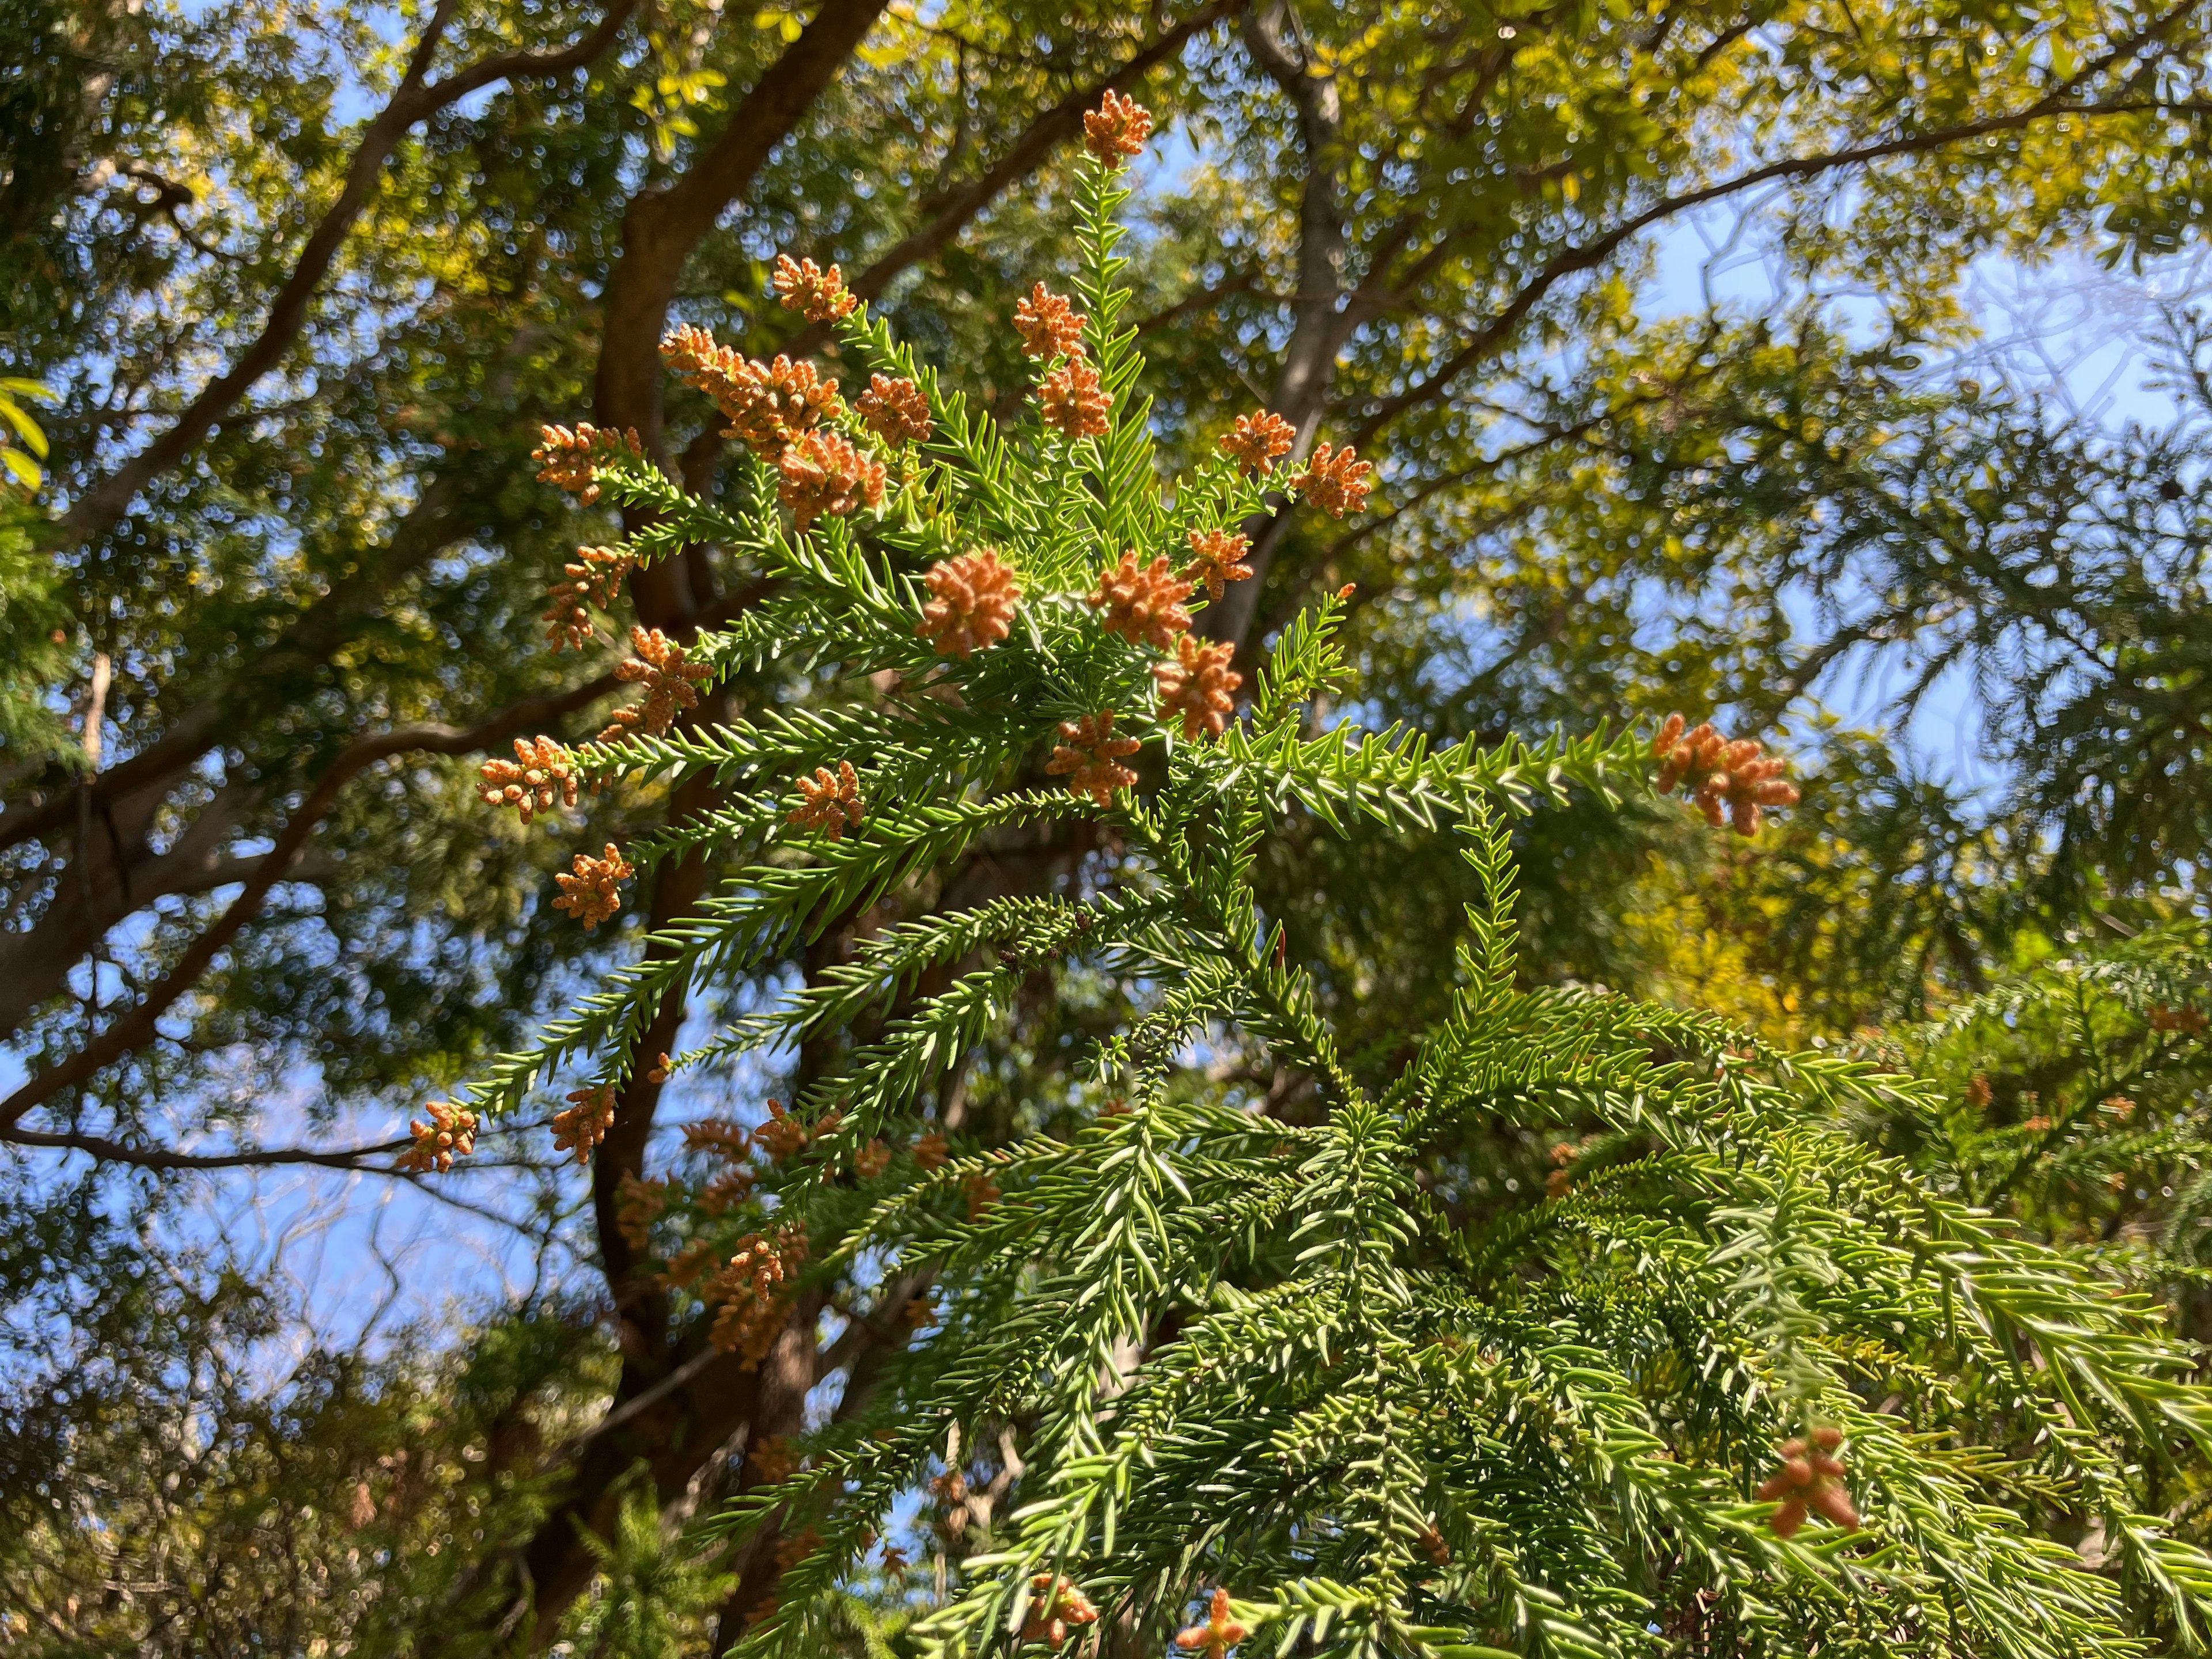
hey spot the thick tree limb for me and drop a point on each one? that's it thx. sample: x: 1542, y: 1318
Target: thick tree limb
x: 661, y: 227
x: 675, y: 1439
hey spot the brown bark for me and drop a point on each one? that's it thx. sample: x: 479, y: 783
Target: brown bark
x: 676, y: 1405
x: 671, y: 1439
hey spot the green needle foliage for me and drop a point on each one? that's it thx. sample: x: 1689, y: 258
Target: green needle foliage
x: 2072, y: 1100
x: 1315, y: 1359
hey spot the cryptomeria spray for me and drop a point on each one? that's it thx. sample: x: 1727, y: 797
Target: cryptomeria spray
x: 1723, y: 1384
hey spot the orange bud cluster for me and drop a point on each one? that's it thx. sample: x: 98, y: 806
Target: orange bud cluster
x: 1199, y: 686
x: 1334, y: 480
x: 450, y: 1134
x: 980, y: 1192
x: 1218, y: 559
x: 1811, y: 1477
x: 748, y: 1293
x: 769, y: 405
x: 1116, y: 130
x: 590, y: 1114
x: 823, y: 473
x: 591, y: 894
x: 972, y: 603
x: 817, y: 295
x: 830, y: 801
x: 726, y: 1191
x: 781, y: 1135
x: 871, y: 1160
x: 1055, y: 1604
x: 541, y: 773
x: 597, y: 574
x: 1142, y: 602
x: 1977, y: 1091
x: 720, y: 1136
x: 671, y: 682
x: 1072, y: 401
x: 933, y: 1152
x: 1257, y: 442
x: 1434, y: 1546
x: 572, y: 459
x: 2190, y: 1022
x: 1216, y: 1635
x: 778, y: 403
x: 775, y: 1460
x: 568, y: 619
x: 638, y: 1205
x: 790, y: 1552
x: 696, y: 357
x: 1089, y: 756
x: 1728, y: 782
x: 1049, y: 324
x: 687, y: 1264
x: 1557, y: 1183
x: 895, y: 409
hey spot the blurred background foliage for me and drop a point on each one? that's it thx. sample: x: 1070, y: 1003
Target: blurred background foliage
x: 1662, y: 324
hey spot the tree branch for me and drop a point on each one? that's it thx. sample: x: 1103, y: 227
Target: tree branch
x: 1320, y: 325
x: 1063, y: 122
x: 1588, y: 255
x: 414, y: 99
x: 139, y: 1026
x: 661, y: 227
x: 147, y: 1158
x: 1206, y: 299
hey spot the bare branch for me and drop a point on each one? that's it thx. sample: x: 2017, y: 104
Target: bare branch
x: 1206, y: 299
x: 109, y: 1150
